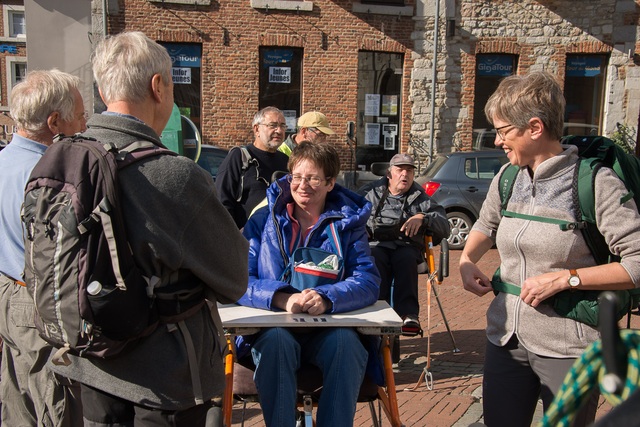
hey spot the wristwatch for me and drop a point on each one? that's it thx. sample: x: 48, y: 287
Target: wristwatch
x: 574, y: 280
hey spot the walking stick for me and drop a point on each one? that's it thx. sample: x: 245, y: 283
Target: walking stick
x: 426, y: 372
x: 438, y: 275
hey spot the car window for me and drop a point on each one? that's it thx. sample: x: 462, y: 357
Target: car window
x: 434, y: 166
x: 484, y: 167
x: 210, y: 160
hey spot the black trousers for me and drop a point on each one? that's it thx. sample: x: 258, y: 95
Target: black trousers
x: 399, y: 266
x: 515, y: 378
x: 101, y: 409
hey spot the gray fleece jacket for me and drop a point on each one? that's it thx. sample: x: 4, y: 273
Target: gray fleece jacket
x: 529, y: 248
x: 175, y: 225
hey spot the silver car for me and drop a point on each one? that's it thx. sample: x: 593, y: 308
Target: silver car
x: 459, y: 182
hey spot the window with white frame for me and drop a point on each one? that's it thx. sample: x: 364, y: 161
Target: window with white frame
x: 14, y: 21
x: 16, y: 71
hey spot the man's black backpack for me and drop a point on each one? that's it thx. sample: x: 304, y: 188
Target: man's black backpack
x: 90, y: 297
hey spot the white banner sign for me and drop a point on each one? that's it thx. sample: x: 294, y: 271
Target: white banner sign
x: 279, y: 74
x: 181, y: 76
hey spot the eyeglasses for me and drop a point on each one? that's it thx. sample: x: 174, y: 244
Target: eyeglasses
x: 274, y: 126
x: 502, y: 135
x: 313, y: 181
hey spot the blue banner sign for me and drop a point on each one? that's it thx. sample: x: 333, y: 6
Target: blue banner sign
x: 8, y: 48
x: 584, y: 66
x: 495, y: 65
x: 184, y: 55
x: 271, y: 57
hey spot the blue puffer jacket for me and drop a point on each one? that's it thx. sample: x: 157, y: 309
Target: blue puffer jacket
x: 269, y: 232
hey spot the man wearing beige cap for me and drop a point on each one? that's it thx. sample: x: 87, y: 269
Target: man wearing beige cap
x: 401, y: 214
x: 313, y: 126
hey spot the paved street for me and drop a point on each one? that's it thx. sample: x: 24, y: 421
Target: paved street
x: 457, y: 377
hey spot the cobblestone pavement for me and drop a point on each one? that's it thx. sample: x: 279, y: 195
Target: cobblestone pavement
x: 455, y: 398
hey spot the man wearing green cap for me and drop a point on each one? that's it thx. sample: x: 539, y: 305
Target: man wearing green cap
x: 313, y: 126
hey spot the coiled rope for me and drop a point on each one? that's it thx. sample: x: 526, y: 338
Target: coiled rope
x: 587, y: 373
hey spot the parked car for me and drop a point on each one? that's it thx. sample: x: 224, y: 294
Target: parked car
x: 459, y: 182
x: 211, y: 157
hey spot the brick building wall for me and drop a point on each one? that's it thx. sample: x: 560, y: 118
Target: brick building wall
x: 230, y: 79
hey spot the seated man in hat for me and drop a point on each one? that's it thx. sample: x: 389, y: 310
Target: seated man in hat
x: 400, y: 216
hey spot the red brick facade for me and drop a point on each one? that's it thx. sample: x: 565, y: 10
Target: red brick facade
x: 230, y: 72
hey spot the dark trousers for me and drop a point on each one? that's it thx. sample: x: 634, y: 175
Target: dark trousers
x: 102, y: 409
x: 514, y: 379
x: 400, y: 267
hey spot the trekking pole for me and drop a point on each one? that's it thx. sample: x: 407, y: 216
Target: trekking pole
x: 426, y: 374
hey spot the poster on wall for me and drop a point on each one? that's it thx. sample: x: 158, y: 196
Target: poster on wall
x: 372, y: 104
x: 390, y: 105
x: 389, y: 133
x: 372, y: 134
x: 290, y: 119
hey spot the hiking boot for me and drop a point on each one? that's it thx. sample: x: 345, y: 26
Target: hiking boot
x: 411, y: 326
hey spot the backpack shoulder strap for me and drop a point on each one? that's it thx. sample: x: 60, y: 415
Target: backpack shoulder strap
x: 507, y: 179
x: 247, y: 158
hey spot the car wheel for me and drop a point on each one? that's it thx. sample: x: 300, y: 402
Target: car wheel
x: 460, y: 227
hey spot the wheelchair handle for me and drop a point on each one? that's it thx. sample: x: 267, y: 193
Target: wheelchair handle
x: 443, y: 271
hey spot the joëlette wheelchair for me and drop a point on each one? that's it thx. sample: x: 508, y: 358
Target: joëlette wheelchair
x: 378, y: 319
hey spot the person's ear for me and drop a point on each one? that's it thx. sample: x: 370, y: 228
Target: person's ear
x: 536, y: 127
x: 53, y: 122
x: 331, y: 183
x: 158, y: 88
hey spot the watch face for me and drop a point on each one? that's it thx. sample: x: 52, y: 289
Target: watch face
x: 574, y: 280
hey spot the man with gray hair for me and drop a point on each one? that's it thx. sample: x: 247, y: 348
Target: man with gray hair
x: 401, y: 214
x: 178, y: 232
x: 45, y: 104
x: 247, y: 171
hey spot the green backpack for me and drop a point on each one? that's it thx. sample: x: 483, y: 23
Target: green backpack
x: 595, y: 152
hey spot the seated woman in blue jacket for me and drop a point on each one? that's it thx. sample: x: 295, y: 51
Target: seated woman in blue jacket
x: 301, y: 207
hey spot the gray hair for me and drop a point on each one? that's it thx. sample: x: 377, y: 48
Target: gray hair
x: 124, y: 64
x: 520, y: 98
x: 41, y: 93
x: 259, y: 116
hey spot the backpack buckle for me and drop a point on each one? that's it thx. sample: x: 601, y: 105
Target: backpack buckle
x: 579, y: 225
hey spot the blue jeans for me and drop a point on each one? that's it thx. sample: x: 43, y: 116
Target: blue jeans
x: 338, y: 352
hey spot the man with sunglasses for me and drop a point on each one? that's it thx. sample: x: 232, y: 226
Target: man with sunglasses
x: 247, y: 171
x: 313, y: 126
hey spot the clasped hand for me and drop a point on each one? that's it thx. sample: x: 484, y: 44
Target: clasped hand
x: 307, y: 301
